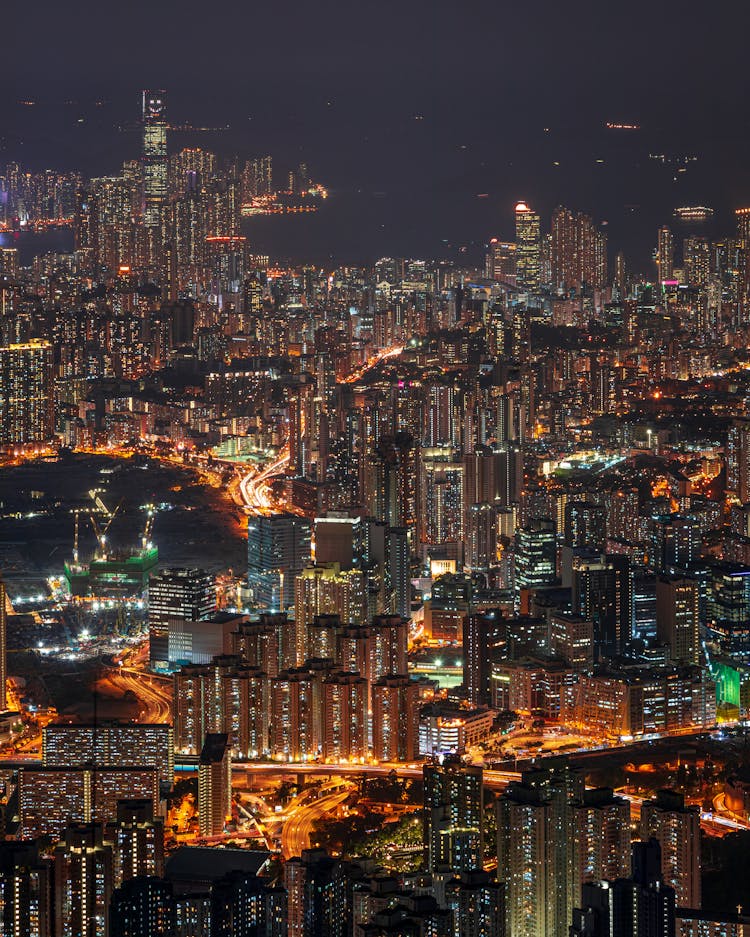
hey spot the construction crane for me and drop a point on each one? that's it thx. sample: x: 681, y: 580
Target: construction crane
x: 100, y: 532
x: 148, y: 526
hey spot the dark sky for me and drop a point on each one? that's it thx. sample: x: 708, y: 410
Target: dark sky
x: 342, y: 85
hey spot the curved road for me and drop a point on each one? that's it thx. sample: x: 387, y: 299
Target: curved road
x: 295, y: 833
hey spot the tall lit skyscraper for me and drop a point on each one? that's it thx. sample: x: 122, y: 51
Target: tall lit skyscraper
x: 528, y: 247
x: 453, y: 807
x: 677, y: 830
x: 214, y: 784
x: 84, y: 880
x: 26, y: 402
x: 155, y: 164
x: 665, y: 255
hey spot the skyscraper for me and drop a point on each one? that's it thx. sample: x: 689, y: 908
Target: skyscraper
x: 142, y: 907
x: 395, y: 719
x: 677, y: 830
x: 453, y: 808
x: 84, y: 881
x: 536, y: 854
x: 665, y: 255
x: 677, y: 618
x: 278, y: 549
x: 639, y: 906
x: 528, y: 249
x: 214, y: 784
x: 25, y: 890
x: 155, y: 164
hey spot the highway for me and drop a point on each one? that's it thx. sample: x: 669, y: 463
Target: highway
x: 154, y: 694
x: 295, y: 833
x: 253, y: 488
x: 373, y: 362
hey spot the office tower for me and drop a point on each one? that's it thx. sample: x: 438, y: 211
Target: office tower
x: 528, y: 248
x: 501, y: 261
x: 278, y: 549
x: 601, y: 833
x: 602, y: 595
x: 677, y: 830
x: 137, y: 837
x: 477, y: 904
x: 143, y: 907
x: 26, y: 400
x: 395, y: 719
x: 453, y: 815
x: 104, y: 744
x: 639, y: 906
x: 482, y: 633
x: 738, y: 460
x: 742, y: 217
x: 84, y: 881
x: 49, y: 798
x: 585, y: 525
x: 536, y: 849
x: 664, y: 255
x: 316, y: 890
x: 154, y: 157
x: 677, y: 618
x: 345, y: 717
x: 214, y: 784
x: 244, y: 905
x: 25, y: 891
x: 535, y: 555
x: 176, y: 593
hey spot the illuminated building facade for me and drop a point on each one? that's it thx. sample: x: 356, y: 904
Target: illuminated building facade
x: 528, y: 248
x: 155, y: 163
x: 26, y: 401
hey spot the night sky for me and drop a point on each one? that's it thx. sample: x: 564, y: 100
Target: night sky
x: 407, y: 111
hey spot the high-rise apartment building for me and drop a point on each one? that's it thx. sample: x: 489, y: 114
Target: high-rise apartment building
x: 26, y: 400
x: 453, y: 815
x: 642, y: 905
x: 143, y: 907
x: 536, y: 849
x: 345, y: 717
x: 137, y: 837
x: 25, y: 890
x: 108, y: 744
x: 84, y: 881
x: 214, y: 784
x: 677, y: 830
x: 154, y: 157
x: 395, y: 719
